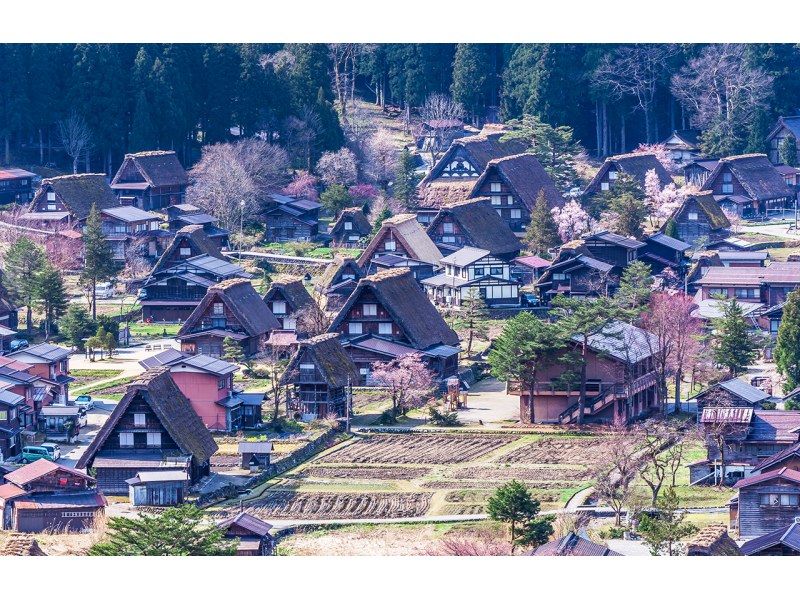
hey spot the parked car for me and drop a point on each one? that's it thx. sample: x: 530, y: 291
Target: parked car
x: 84, y: 401
x: 17, y: 344
x: 53, y: 448
x: 34, y: 453
x: 83, y: 416
x: 104, y: 290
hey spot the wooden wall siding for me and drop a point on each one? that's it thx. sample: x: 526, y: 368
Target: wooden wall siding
x: 157, y: 494
x: 112, y: 480
x: 176, y: 289
x: 208, y: 317
x: 438, y: 235
x: 717, y: 182
x: 282, y: 227
x: 696, y: 175
x: 756, y: 520
x: 38, y: 520
x: 126, y: 424
x: 611, y: 254
x: 691, y: 230
x: 58, y: 481
x: 167, y: 313
x: 40, y: 204
x: 504, y: 207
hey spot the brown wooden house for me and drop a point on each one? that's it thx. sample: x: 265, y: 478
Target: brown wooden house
x: 150, y: 180
x: 46, y: 496
x: 351, y: 229
x: 290, y: 219
x: 319, y: 376
x: 767, y: 285
x: 16, y: 185
x: 473, y: 223
x: 65, y: 201
x: 683, y: 146
x: 230, y: 309
x: 288, y: 299
x: 512, y: 185
x: 576, y: 273
x: 337, y: 282
x: 572, y: 545
x: 768, y: 502
x: 387, y: 316
x: 700, y: 218
x: 253, y: 534
x: 152, y: 428
x: 126, y: 226
x: 402, y: 236
x: 784, y: 541
x: 634, y: 165
x: 786, y: 127
x: 185, y: 214
x: 697, y: 172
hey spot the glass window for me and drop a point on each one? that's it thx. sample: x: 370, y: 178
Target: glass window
x: 496, y: 270
x: 612, y: 175
x: 279, y: 307
x: 354, y: 328
x: 290, y: 323
x: 495, y: 187
x: 370, y: 309
x: 186, y: 251
x: 219, y: 309
x: 449, y: 239
x: 516, y: 214
x: 692, y: 215
x: 727, y: 183
x: 348, y: 226
x: 126, y: 439
x: 3, y: 416
x: 478, y: 271
x: 154, y: 439
x: 497, y: 200
x: 509, y: 200
x: 385, y: 328
x: 390, y: 245
x: 447, y: 227
x: 139, y: 420
x: 604, y: 186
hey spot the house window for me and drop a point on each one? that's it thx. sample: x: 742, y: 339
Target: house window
x: 559, y: 276
x: 348, y: 276
x: 126, y: 439
x: 390, y: 245
x: 497, y: 200
x: 612, y: 175
x: 450, y: 239
x: 692, y: 216
x: 746, y: 293
x: 604, y: 186
x: 715, y: 292
x: 219, y: 310
x: 478, y: 272
x: 348, y: 226
x: 447, y: 227
x: 3, y: 416
x: 352, y: 237
x: 496, y: 270
x: 773, y: 499
x: 727, y: 183
x: 385, y: 328
x: 370, y: 309
x: 516, y: 214
x: 73, y: 514
x: 186, y: 251
x: 222, y: 382
x: 290, y: 323
x: 509, y: 200
x: 495, y: 187
x: 354, y: 328
x: 154, y: 439
x: 139, y: 420
x: 279, y: 307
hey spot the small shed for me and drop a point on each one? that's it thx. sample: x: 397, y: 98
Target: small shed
x: 252, y: 533
x: 255, y: 455
x: 158, y: 488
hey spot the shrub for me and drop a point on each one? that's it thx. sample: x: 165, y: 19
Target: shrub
x: 447, y: 420
x: 768, y: 405
x: 791, y: 405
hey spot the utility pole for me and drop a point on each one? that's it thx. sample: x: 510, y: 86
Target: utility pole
x: 348, y: 404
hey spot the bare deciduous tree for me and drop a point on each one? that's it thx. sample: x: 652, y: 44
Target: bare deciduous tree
x: 381, y: 156
x: 312, y: 321
x: 302, y: 135
x: 720, y: 427
x: 76, y: 137
x: 338, y: 168
x: 615, y: 475
x: 444, y: 117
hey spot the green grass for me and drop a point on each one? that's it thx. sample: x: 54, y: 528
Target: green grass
x: 101, y: 386
x: 94, y: 374
x: 143, y: 330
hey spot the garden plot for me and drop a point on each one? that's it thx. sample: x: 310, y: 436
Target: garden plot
x: 322, y: 505
x: 366, y: 473
x: 578, y: 450
x: 440, y: 449
x: 532, y: 474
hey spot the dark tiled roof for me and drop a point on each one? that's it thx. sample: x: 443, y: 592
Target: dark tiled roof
x: 361, y: 225
x: 79, y: 192
x: 776, y: 272
x: 622, y: 341
x: 173, y: 410
x: 790, y: 122
x: 158, y: 168
x: 779, y: 457
x: 329, y: 276
x: 248, y: 522
x: 743, y: 390
x: 33, y: 471
x: 526, y: 177
x: 775, y: 426
x: 408, y: 305
x: 44, y: 351
x: 327, y: 353
x: 755, y: 173
x: 784, y: 473
x: 572, y: 545
x: 635, y: 165
x: 482, y: 225
x: 667, y: 241
x: 615, y: 239
x: 788, y: 536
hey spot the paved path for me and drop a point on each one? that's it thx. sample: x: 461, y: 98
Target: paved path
x: 488, y: 402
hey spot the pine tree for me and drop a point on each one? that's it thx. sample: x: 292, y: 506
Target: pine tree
x: 630, y: 215
x: 662, y: 530
x: 23, y: 262
x: 405, y: 181
x: 98, y: 256
x: 142, y: 132
x: 51, y: 292
x: 75, y: 325
x: 471, y: 71
x: 472, y: 318
x: 635, y: 286
x: 733, y: 347
x: 512, y: 503
x: 542, y: 232
x: 788, y: 150
x: 232, y: 351
x: 787, y: 347
x: 335, y: 198
x: 671, y: 229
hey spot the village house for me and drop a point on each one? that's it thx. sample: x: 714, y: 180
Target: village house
x: 436, y: 135
x: 419, y: 269
x: 472, y: 272
x: 288, y: 300
x: 683, y: 146
x: 738, y: 259
x: 576, y: 273
x: 613, y: 249
x: 572, y: 544
x: 16, y: 185
x: 158, y: 488
x: 127, y: 225
x: 253, y: 535
x: 186, y: 214
x: 784, y: 541
x: 230, y: 309
x: 712, y: 540
x: 767, y: 502
x: 351, y: 229
x: 319, y: 377
x: 15, y: 377
x: 749, y: 186
x: 387, y: 316
x: 786, y: 127
x: 50, y: 364
x: 766, y: 285
x: 512, y: 185
x: 45, y: 496
x: 65, y: 201
x: 255, y: 456
x: 402, y: 236
x: 621, y: 381
x: 473, y: 223
x: 527, y: 269
x: 290, y: 219
x: 788, y: 457
x: 696, y: 173
x: 188, y: 267
x: 662, y: 251
x: 11, y: 424
x: 699, y: 218
x: 150, y: 180
x: 634, y: 165
x: 152, y: 428
x: 454, y: 175
x: 337, y: 282
x: 732, y: 393
x: 60, y: 422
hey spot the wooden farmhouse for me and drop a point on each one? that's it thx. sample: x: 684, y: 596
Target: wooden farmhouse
x: 683, y: 146
x: 337, y: 282
x: 634, y: 165
x: 696, y: 173
x: 11, y: 423
x: 734, y: 393
x: 127, y: 226
x: 473, y: 223
x: 351, y: 229
x: 16, y: 185
x: 188, y: 267
x: 662, y: 251
x: 472, y: 272
x: 454, y: 175
x: 152, y: 428
x: 16, y: 379
x: 402, y: 236
x: 319, y: 376
x: 290, y: 219
x: 44, y: 496
x: 158, y: 488
x: 767, y: 502
x: 65, y: 201
x: 150, y: 180
x: 255, y: 456
x: 512, y: 185
x: 749, y: 186
x: 185, y: 214
x: 576, y: 273
x: 50, y: 363
x: 786, y: 127
x: 230, y: 309
x: 700, y: 217
x: 621, y: 381
x: 253, y: 534
x: 768, y: 285
x: 288, y: 300
x: 784, y: 541
x: 387, y: 316
x: 614, y: 249
x: 572, y: 545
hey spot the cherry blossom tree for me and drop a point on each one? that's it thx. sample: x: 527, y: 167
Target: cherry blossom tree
x: 409, y: 381
x: 338, y: 168
x: 64, y: 253
x: 381, y: 153
x: 661, y: 153
x: 734, y: 219
x: 304, y: 184
x: 363, y: 193
x: 571, y: 220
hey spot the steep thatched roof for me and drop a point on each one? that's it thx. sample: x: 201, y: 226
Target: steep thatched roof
x: 755, y: 173
x: 331, y: 275
x: 293, y: 290
x: 635, y: 165
x: 526, y: 177
x: 409, y: 234
x: 18, y: 544
x: 361, y: 225
x: 408, y: 306
x: 158, y: 168
x: 330, y: 358
x: 172, y: 409
x: 79, y: 192
x: 712, y: 540
x: 482, y: 225
x: 705, y: 201
x: 199, y: 242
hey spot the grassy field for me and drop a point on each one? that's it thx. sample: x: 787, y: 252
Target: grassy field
x: 152, y: 331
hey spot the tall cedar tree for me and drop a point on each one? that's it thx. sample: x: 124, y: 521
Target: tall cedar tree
x: 733, y: 347
x: 51, y: 292
x: 542, y: 232
x: 512, y: 503
x: 178, y: 531
x: 788, y: 150
x: 526, y: 346
x: 630, y: 214
x: 471, y: 72
x: 472, y: 318
x: 635, y: 286
x: 405, y: 180
x: 75, y: 325
x: 787, y: 347
x: 232, y: 350
x: 335, y: 198
x: 98, y: 258
x: 23, y: 262
x: 582, y: 319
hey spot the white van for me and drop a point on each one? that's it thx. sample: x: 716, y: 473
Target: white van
x: 104, y: 290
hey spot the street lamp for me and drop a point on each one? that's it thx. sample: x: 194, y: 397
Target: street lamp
x: 241, y: 226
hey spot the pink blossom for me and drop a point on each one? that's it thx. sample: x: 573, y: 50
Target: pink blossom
x: 363, y: 192
x: 303, y: 185
x: 571, y: 220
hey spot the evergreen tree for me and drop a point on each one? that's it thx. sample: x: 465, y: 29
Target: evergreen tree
x: 23, y: 262
x: 512, y: 503
x: 662, y: 530
x: 635, y: 286
x: 335, y: 198
x: 787, y: 347
x: 472, y: 318
x: 177, y: 531
x: 671, y: 229
x: 382, y: 215
x: 49, y: 286
x: 142, y: 132
x: 232, y: 351
x: 630, y: 212
x: 733, y: 347
x: 471, y: 72
x: 75, y: 325
x: 98, y: 256
x: 788, y: 150
x: 542, y: 232
x: 405, y: 181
